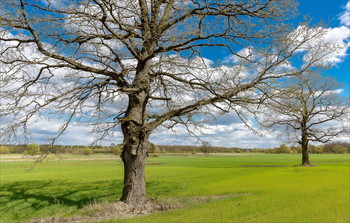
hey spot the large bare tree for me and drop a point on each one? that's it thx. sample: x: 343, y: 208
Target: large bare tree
x: 308, y: 108
x: 139, y: 64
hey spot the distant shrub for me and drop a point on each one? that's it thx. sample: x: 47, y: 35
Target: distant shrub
x: 4, y: 150
x: 153, y: 150
x: 339, y: 149
x: 61, y: 149
x: 107, y: 150
x: 297, y: 149
x: 177, y: 151
x: 315, y: 149
x: 154, y: 155
x: 117, y: 150
x: 32, y: 150
x: 86, y: 151
x: 284, y: 149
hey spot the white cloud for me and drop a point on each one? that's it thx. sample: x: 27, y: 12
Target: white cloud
x: 330, y: 44
x: 340, y: 36
x: 43, y: 130
x: 345, y: 16
x: 338, y: 91
x: 243, y: 54
x: 230, y: 132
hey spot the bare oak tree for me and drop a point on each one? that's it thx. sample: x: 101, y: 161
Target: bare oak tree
x: 310, y: 109
x: 139, y: 64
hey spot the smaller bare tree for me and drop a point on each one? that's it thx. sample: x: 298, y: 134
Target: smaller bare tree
x: 309, y: 108
x: 205, y: 147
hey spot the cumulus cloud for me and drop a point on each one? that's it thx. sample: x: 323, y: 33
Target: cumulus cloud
x: 43, y: 130
x: 340, y: 36
x: 243, y: 54
x: 227, y: 131
x: 330, y: 44
x: 345, y: 16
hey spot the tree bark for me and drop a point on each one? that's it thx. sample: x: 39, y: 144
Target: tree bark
x: 133, y: 156
x: 304, y: 148
x: 136, y: 134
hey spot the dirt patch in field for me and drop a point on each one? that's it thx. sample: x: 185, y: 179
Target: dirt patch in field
x: 155, y: 163
x: 309, y: 165
x: 218, y: 197
x: 264, y: 166
x: 101, y: 211
x: 187, y: 202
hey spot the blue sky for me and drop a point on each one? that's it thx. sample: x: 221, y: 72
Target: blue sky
x: 330, y: 11
x: 228, y: 131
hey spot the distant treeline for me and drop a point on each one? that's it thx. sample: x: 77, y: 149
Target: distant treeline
x: 34, y: 149
x: 335, y: 147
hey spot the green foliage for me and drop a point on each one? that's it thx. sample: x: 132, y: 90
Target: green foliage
x: 297, y: 149
x: 32, y: 150
x: 315, y: 149
x: 339, y: 149
x: 284, y: 149
x: 117, y: 150
x: 86, y: 151
x: 153, y: 150
x: 4, y: 150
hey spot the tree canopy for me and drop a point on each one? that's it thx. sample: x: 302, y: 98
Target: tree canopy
x: 309, y: 108
x: 141, y: 64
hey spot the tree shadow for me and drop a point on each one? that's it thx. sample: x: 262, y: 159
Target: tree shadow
x: 37, y: 195
x: 24, y: 200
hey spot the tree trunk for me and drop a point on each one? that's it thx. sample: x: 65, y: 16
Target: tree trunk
x: 133, y: 156
x: 135, y: 147
x: 304, y: 148
x: 135, y: 144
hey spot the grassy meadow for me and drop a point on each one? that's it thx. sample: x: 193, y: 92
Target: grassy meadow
x: 214, y: 188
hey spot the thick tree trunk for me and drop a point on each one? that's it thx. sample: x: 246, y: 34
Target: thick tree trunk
x: 135, y: 144
x: 133, y: 156
x: 304, y: 149
x: 135, y: 147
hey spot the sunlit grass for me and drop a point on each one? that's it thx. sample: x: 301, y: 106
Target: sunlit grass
x: 251, y: 188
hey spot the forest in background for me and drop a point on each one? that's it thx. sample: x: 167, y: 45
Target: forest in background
x: 155, y: 150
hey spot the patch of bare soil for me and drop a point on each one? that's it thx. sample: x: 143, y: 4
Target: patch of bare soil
x: 309, y: 165
x: 185, y: 202
x: 100, y: 211
x: 202, y: 199
x: 264, y: 166
x: 155, y: 163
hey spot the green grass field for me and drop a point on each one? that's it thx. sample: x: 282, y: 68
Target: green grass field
x: 243, y: 188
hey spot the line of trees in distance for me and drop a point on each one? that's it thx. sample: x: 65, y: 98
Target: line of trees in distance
x: 35, y: 149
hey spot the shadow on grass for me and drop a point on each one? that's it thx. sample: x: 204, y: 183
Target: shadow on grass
x: 36, y: 195
x: 26, y: 199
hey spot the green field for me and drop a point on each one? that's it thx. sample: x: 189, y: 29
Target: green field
x: 242, y: 188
